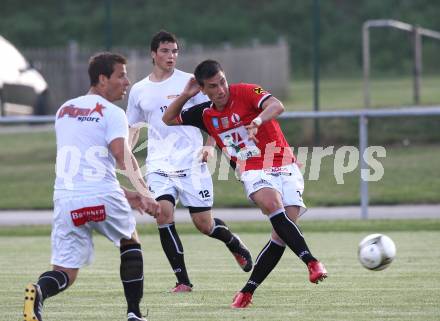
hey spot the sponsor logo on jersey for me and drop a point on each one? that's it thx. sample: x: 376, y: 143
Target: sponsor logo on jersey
x: 237, y: 143
x: 214, y: 121
x: 259, y: 90
x: 235, y: 118
x: 225, y: 122
x: 82, y: 114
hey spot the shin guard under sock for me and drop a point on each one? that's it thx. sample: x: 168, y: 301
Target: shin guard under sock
x: 132, y: 276
x: 289, y: 232
x: 53, y: 282
x: 172, y: 246
x: 221, y: 232
x: 266, y: 261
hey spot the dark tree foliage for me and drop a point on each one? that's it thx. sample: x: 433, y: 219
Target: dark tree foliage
x: 52, y: 23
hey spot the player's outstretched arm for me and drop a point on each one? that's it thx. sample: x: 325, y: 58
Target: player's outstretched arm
x: 272, y: 108
x: 133, y: 136
x: 174, y: 109
x: 128, y: 163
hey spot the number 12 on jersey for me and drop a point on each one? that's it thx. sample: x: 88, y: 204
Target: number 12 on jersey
x: 204, y: 194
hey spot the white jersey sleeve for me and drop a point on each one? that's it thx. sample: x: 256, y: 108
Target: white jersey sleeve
x: 117, y: 126
x: 198, y: 99
x: 170, y: 148
x: 134, y: 111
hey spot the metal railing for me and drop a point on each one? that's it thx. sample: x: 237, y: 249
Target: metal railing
x: 417, y: 33
x: 362, y: 114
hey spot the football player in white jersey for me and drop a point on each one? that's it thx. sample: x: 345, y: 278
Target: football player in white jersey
x: 174, y: 169
x: 92, y: 139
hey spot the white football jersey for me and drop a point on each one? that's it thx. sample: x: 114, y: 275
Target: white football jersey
x: 170, y: 148
x: 84, y: 128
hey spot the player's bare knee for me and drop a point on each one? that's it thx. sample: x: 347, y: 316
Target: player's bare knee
x: 204, y: 227
x: 72, y: 278
x: 166, y: 217
x: 133, y: 240
x: 167, y: 204
x: 293, y: 212
x: 268, y: 200
x: 202, y: 219
x: 269, y: 206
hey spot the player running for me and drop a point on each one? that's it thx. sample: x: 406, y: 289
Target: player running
x: 241, y: 118
x: 92, y: 138
x: 174, y: 170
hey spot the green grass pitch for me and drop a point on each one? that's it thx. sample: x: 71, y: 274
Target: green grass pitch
x: 408, y: 290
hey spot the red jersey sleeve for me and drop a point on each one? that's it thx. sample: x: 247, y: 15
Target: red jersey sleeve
x: 254, y: 94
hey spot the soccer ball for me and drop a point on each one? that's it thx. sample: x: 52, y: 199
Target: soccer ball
x: 376, y: 252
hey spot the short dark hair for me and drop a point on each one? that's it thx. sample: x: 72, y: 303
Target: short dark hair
x: 206, y: 69
x: 103, y: 63
x: 162, y: 36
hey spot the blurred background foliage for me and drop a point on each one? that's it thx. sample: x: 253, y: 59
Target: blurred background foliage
x: 53, y: 23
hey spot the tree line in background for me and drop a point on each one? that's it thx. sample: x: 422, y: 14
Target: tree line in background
x: 53, y: 23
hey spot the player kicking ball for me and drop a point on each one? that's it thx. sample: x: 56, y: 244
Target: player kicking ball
x: 241, y: 118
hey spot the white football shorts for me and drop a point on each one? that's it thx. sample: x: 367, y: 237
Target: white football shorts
x: 287, y: 180
x: 74, y: 220
x: 193, y: 186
